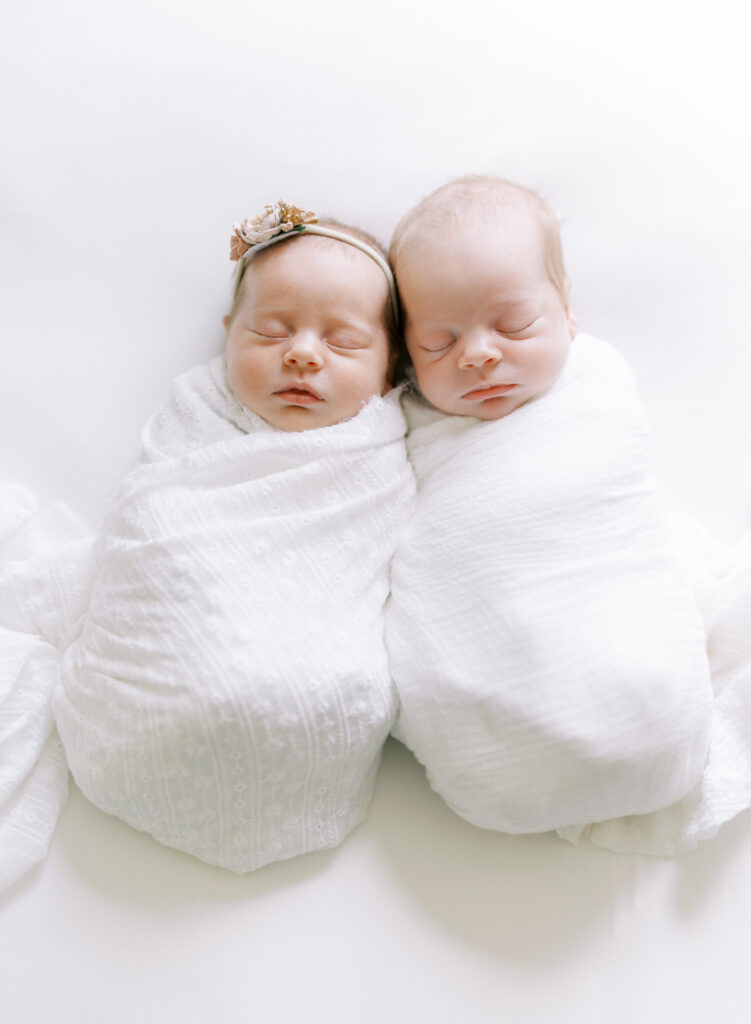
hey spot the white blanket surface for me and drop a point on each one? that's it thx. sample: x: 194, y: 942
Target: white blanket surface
x: 227, y: 690
x: 43, y: 566
x: 545, y: 640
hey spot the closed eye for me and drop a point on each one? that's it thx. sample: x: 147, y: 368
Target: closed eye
x: 437, y: 346
x: 268, y: 328
x: 345, y: 341
x: 509, y: 333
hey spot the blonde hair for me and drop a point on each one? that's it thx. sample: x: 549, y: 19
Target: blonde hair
x: 479, y: 197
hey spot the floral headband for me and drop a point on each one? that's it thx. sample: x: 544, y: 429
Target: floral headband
x: 282, y: 220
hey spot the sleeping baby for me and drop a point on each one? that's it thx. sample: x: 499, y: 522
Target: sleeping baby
x: 227, y: 688
x: 547, y: 650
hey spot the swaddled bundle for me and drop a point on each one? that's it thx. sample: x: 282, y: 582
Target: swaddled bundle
x: 229, y: 690
x: 548, y: 655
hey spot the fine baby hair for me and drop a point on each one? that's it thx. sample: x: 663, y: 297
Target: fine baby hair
x: 481, y: 202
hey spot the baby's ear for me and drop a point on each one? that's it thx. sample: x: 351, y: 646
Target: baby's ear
x: 571, y: 320
x: 225, y: 322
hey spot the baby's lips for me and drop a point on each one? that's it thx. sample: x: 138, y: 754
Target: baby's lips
x: 488, y: 391
x: 302, y: 392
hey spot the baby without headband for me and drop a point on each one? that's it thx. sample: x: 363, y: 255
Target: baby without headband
x: 282, y: 220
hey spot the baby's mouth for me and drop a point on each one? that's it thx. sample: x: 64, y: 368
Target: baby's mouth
x: 485, y: 391
x: 298, y: 394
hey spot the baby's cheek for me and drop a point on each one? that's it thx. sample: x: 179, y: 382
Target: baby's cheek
x: 373, y: 380
x: 233, y: 374
x: 424, y: 381
x: 240, y: 373
x: 435, y: 382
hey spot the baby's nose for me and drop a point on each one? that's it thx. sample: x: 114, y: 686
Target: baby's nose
x: 480, y: 350
x: 304, y: 352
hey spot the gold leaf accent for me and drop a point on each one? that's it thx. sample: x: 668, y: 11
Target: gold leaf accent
x: 295, y: 215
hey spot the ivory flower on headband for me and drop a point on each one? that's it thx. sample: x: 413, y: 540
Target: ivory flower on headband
x: 276, y: 219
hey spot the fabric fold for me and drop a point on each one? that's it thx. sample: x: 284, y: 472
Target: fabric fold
x: 724, y: 788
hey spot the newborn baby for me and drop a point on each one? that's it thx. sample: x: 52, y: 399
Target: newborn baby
x: 227, y: 689
x: 548, y: 654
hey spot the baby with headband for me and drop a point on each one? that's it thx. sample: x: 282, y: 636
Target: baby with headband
x: 549, y: 656
x: 312, y: 334
x: 226, y: 686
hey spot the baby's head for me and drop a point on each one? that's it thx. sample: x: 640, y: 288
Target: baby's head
x: 485, y: 296
x: 312, y: 334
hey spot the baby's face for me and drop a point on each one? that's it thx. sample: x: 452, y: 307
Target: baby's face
x: 486, y: 328
x: 307, y: 344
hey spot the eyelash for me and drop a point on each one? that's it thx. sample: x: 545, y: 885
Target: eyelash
x: 342, y: 345
x: 505, y: 334
x: 348, y: 345
x: 508, y: 334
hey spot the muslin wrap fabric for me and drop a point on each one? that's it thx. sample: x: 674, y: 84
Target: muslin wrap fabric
x: 545, y: 641
x: 722, y: 582
x: 227, y: 689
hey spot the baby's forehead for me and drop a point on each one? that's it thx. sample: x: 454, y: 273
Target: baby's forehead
x: 293, y: 262
x: 470, y: 235
x: 311, y: 252
x: 304, y: 248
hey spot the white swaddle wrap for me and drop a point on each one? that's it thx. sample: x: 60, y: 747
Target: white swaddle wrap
x: 548, y: 654
x: 723, y: 586
x: 229, y: 689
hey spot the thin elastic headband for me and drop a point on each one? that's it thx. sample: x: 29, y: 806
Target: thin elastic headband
x: 282, y: 220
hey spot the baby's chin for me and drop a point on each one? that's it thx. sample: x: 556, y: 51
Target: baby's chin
x: 295, y: 419
x: 490, y: 409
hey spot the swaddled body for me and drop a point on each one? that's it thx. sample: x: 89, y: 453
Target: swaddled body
x: 550, y: 661
x: 216, y: 654
x: 229, y: 691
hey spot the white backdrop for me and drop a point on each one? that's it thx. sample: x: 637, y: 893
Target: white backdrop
x: 134, y: 134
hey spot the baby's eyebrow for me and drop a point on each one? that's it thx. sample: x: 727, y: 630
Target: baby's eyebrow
x: 267, y: 310
x: 514, y: 305
x: 526, y: 308
x: 433, y: 321
x: 362, y: 329
x: 347, y: 321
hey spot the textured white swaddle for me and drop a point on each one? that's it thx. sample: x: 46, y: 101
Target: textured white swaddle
x: 548, y: 654
x: 229, y: 690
